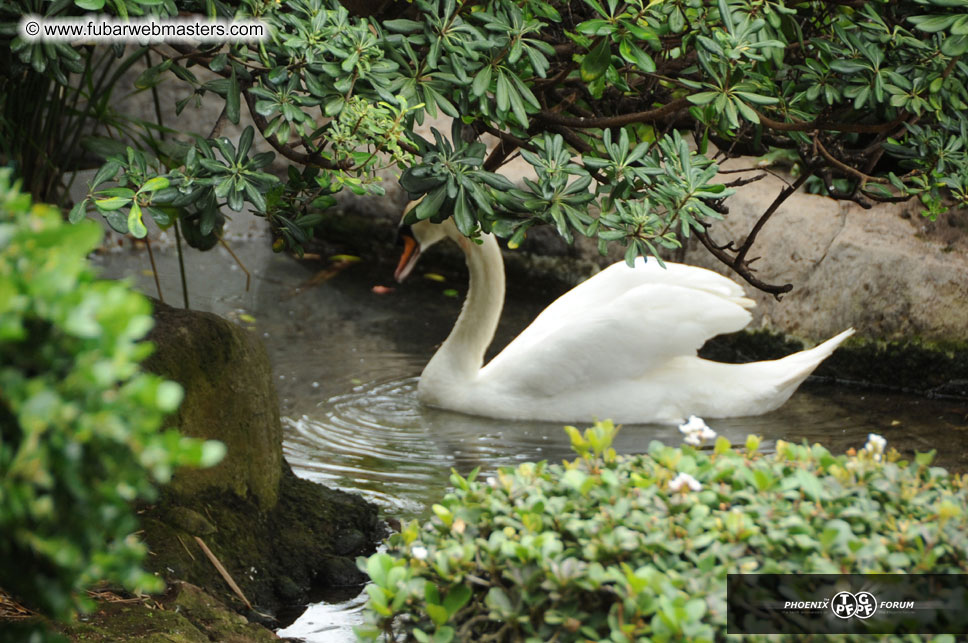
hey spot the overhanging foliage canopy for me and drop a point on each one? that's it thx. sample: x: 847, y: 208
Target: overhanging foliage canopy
x: 622, y: 108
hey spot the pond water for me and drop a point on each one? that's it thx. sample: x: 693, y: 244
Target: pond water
x: 346, y: 359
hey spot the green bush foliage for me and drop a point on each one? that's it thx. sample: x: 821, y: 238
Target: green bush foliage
x: 79, y: 422
x: 623, y: 110
x: 638, y: 547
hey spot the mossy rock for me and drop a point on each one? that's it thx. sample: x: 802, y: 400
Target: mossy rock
x: 229, y: 397
x: 184, y: 614
x: 309, y: 539
x: 278, y: 536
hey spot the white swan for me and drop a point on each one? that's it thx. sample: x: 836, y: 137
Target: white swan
x: 621, y: 345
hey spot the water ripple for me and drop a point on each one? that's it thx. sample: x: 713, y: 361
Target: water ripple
x: 372, y: 440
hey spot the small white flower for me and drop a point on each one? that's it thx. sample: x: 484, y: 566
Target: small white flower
x: 419, y: 552
x: 692, y: 425
x: 492, y: 481
x: 696, y: 431
x: 875, y: 443
x: 684, y: 479
x: 875, y: 446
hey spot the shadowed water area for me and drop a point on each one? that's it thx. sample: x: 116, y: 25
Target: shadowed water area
x: 346, y: 361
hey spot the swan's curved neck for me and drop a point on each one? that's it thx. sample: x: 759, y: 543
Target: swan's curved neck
x: 461, y: 356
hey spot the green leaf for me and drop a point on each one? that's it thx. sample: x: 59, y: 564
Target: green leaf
x: 90, y: 5
x: 960, y: 27
x: 107, y: 172
x: 135, y: 225
x: 169, y: 396
x: 702, y: 98
x: 502, y: 91
x: 747, y: 112
x: 954, y: 46
x: 463, y: 215
x: 213, y: 452
x: 377, y: 567
x: 933, y: 23
x: 266, y: 108
x: 757, y: 99
x: 482, y: 81
x: 117, y: 221
x: 457, y: 597
x: 925, y: 459
x: 634, y: 54
x: 218, y: 62
x: 278, y: 74
x: 232, y: 99
x: 726, y: 16
x: 596, y: 62
x: 437, y: 613
x: 444, y: 634
x: 153, y: 184
x: 517, y: 107
x: 430, y: 206
x: 78, y: 211
x: 402, y: 25
x: 112, y: 203
x: 810, y: 484
x: 499, y: 602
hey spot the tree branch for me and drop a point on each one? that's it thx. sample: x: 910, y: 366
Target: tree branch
x: 801, y: 126
x: 777, y: 202
x: 286, y: 150
x: 742, y: 269
x: 738, y: 262
x: 843, y: 167
x: 613, y: 121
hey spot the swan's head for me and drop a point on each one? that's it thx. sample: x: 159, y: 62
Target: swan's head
x: 417, y: 237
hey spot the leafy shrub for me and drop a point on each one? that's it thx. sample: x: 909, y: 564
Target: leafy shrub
x: 602, y: 99
x: 609, y: 547
x: 79, y: 423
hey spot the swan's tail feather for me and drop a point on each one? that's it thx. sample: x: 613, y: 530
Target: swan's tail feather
x: 798, y: 366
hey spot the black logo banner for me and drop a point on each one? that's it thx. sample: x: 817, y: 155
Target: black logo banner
x: 847, y: 604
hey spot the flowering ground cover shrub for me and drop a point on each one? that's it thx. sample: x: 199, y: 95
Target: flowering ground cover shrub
x: 624, y: 548
x: 79, y: 422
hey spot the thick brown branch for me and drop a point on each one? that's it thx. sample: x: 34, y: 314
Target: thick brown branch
x: 619, y: 120
x: 784, y: 194
x: 496, y: 158
x: 510, y: 139
x: 843, y: 167
x: 801, y: 126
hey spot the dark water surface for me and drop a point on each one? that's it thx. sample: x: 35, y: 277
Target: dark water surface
x: 346, y: 361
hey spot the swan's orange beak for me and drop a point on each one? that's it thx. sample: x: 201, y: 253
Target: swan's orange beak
x: 408, y: 259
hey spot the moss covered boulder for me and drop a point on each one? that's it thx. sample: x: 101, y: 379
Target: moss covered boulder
x: 229, y: 396
x: 276, y: 536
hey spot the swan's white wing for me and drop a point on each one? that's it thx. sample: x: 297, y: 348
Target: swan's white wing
x: 620, y: 278
x: 620, y: 339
